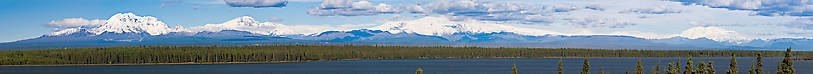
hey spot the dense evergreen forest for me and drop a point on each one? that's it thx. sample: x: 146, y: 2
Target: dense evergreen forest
x: 784, y: 67
x: 196, y: 54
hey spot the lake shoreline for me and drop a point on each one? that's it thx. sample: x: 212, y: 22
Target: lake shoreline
x: 129, y: 64
x: 256, y: 62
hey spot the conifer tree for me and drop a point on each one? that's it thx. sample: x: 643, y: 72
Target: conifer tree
x: 657, y: 68
x: 514, y: 70
x: 559, y: 68
x: 638, y: 68
x: 710, y: 68
x: 758, y: 69
x: 626, y: 71
x: 751, y: 70
x: 701, y: 68
x: 688, y: 68
x: 732, y: 68
x: 786, y: 66
x: 586, y: 66
x: 677, y: 66
x: 601, y: 71
x: 670, y: 69
x: 419, y: 71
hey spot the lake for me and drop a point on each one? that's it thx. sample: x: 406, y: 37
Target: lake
x: 406, y: 66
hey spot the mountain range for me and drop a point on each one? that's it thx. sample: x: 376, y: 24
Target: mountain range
x: 127, y: 29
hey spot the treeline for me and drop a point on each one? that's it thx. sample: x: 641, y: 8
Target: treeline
x: 171, y: 54
x: 785, y: 67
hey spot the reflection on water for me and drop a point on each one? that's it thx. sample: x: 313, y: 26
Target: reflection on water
x: 408, y: 66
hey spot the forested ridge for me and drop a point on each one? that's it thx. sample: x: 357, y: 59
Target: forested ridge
x: 172, y: 54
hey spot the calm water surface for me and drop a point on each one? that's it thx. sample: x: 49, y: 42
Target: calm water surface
x: 405, y: 66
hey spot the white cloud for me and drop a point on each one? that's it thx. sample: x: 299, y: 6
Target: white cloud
x: 336, y: 4
x: 350, y: 8
x: 568, y: 8
x: 257, y: 3
x: 763, y: 7
x: 804, y: 23
x: 75, y: 22
x: 249, y: 24
x: 412, y: 8
x: 514, y: 12
x: 510, y: 12
x: 656, y: 10
x: 599, y: 21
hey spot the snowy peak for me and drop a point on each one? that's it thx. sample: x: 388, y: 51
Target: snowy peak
x: 248, y: 24
x: 130, y: 23
x: 244, y: 20
x: 438, y: 26
x: 125, y: 23
x: 714, y: 33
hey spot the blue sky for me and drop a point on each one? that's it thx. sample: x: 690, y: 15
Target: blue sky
x: 722, y: 20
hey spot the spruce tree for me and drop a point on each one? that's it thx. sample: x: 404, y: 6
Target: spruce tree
x: 601, y: 71
x: 677, y: 66
x: 701, y: 68
x: 732, y: 67
x: 559, y: 68
x: 688, y: 68
x: 751, y: 70
x: 514, y: 70
x: 419, y: 71
x: 786, y: 66
x: 710, y: 68
x: 758, y: 69
x: 670, y: 69
x: 626, y: 71
x: 657, y: 68
x: 638, y: 68
x: 586, y: 67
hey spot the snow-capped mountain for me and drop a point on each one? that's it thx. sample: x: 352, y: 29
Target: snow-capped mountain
x: 248, y: 24
x: 126, y: 23
x: 127, y: 29
x: 437, y: 26
x: 129, y: 22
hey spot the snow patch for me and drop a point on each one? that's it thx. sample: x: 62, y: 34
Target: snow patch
x: 714, y: 33
x: 65, y: 31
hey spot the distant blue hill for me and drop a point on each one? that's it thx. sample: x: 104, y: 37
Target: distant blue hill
x: 85, y: 39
